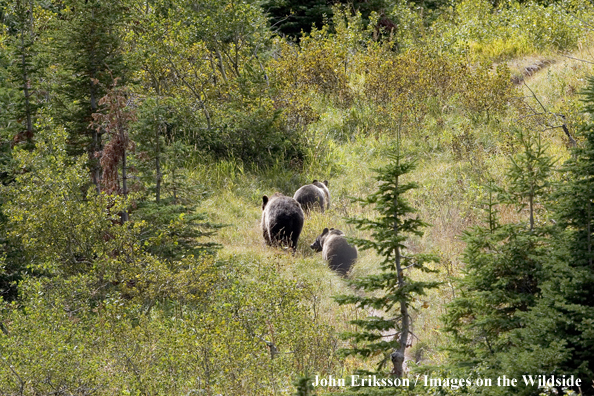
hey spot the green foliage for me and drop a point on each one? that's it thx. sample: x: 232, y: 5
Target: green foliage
x: 502, y: 278
x: 172, y: 231
x: 162, y: 136
x: 410, y: 23
x: 48, y: 195
x: 293, y: 18
x: 144, y: 299
x: 111, y: 344
x: 391, y: 292
x: 347, y: 70
x: 406, y: 87
x: 506, y: 287
x: 504, y: 266
x: 53, y: 193
x: 12, y: 263
x: 211, y: 84
x: 529, y: 173
x: 322, y: 64
x: 559, y: 330
x: 22, y: 41
x: 258, y: 136
x: 227, y: 112
x: 87, y: 41
x: 510, y: 29
x: 304, y: 386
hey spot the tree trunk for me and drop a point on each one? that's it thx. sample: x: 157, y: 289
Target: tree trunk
x: 158, y: 167
x: 589, y: 235
x: 531, y: 203
x: 214, y: 70
x: 96, y: 168
x: 221, y: 65
x: 398, y: 355
x: 124, y: 186
x: 26, y: 89
x: 25, y: 74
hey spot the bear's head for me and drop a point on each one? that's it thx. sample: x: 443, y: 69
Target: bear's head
x: 318, y: 243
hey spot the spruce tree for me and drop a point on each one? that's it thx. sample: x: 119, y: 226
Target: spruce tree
x: 88, y: 38
x: 392, y: 291
x: 22, y: 74
x: 502, y: 276
x: 558, y: 338
x: 503, y: 269
x: 529, y: 173
x: 23, y: 40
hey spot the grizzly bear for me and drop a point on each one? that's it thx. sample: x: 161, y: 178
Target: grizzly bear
x: 334, y: 247
x: 282, y: 220
x: 313, y: 195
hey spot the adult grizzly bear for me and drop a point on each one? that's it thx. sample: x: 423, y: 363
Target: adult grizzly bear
x: 312, y: 195
x: 334, y: 247
x: 282, y: 220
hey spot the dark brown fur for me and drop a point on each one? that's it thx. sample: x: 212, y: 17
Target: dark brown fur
x: 282, y: 220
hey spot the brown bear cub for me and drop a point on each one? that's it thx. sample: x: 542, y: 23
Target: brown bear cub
x: 313, y: 195
x: 282, y: 220
x: 334, y: 247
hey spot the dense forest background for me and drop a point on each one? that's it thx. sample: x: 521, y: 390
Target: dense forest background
x: 138, y: 138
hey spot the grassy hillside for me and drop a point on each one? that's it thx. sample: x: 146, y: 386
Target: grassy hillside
x: 452, y: 172
x: 186, y: 297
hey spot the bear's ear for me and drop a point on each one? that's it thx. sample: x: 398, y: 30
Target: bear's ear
x: 315, y: 181
x: 264, y: 201
x: 326, y: 183
x: 325, y: 231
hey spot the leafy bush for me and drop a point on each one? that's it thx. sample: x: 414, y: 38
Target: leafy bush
x: 409, y: 86
x: 512, y: 28
x: 257, y: 136
x: 248, y: 337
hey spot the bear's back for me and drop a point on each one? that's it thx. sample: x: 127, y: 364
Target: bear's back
x: 282, y: 220
x: 340, y: 255
x: 281, y: 208
x: 310, y: 196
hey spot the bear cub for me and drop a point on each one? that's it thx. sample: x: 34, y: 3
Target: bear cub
x: 282, y: 220
x: 313, y: 195
x: 334, y: 247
